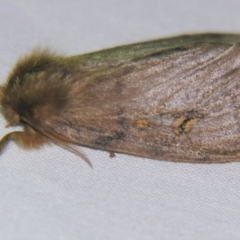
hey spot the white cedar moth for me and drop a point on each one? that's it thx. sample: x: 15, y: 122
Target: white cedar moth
x: 175, y: 99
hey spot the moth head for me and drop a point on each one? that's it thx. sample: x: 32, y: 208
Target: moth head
x: 7, y: 111
x: 27, y: 93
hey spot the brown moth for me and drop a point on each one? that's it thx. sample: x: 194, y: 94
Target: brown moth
x: 175, y: 99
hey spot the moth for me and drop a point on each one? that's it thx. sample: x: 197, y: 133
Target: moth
x: 175, y: 99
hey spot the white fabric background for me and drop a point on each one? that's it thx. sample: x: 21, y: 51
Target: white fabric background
x: 52, y: 194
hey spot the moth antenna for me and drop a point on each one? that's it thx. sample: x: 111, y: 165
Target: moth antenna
x: 62, y: 141
x: 75, y: 151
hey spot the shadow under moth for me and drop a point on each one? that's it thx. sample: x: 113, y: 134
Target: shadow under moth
x: 175, y: 99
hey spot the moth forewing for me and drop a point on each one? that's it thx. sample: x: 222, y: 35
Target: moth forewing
x: 173, y: 99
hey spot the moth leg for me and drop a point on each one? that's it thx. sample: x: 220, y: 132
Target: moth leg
x: 111, y: 154
x: 27, y: 139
